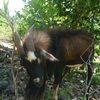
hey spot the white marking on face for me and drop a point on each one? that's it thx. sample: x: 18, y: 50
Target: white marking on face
x: 76, y: 65
x: 31, y: 56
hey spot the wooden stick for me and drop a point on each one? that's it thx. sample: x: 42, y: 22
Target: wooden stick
x: 13, y: 76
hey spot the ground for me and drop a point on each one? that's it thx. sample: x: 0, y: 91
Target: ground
x: 73, y: 88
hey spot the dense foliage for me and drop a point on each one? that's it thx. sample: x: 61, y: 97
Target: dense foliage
x: 80, y: 14
x: 69, y: 13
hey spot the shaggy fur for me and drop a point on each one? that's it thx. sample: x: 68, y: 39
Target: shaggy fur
x: 37, y: 39
x: 72, y: 43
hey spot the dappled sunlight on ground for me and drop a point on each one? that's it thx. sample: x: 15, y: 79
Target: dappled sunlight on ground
x: 6, y: 43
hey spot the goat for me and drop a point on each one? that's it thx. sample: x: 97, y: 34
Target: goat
x: 44, y: 53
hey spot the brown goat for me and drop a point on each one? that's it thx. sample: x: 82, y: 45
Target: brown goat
x: 44, y: 53
x: 73, y: 48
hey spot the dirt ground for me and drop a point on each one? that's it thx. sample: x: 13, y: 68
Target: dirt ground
x: 71, y: 89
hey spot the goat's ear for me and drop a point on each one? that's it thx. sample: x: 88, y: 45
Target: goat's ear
x: 18, y: 43
x: 48, y: 55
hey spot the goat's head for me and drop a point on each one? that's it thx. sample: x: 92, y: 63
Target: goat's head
x: 33, y: 60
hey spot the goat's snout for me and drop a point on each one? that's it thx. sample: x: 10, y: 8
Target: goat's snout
x: 36, y: 80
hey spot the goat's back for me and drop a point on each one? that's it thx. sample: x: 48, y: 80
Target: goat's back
x: 70, y: 44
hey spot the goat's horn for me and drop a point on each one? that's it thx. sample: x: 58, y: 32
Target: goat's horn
x: 48, y: 55
x: 28, y: 40
x: 18, y: 43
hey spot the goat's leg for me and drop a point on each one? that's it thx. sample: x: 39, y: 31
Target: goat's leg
x: 66, y: 72
x: 57, y: 82
x: 55, y: 91
x: 89, y: 79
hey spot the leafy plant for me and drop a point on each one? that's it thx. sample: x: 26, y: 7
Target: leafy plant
x: 65, y: 92
x: 1, y: 98
x: 3, y: 58
x: 96, y: 77
x: 83, y: 98
x: 5, y: 77
x: 48, y: 94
